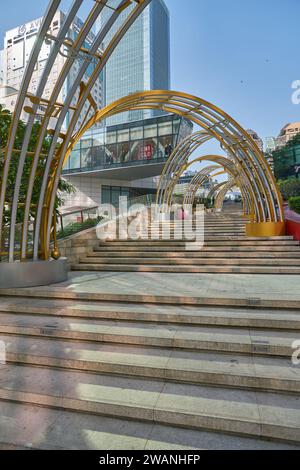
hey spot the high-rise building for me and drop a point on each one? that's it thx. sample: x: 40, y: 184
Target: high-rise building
x: 127, y: 155
x: 287, y: 133
x: 270, y: 144
x: 256, y: 138
x: 141, y: 61
x: 1, y: 68
x: 18, y: 44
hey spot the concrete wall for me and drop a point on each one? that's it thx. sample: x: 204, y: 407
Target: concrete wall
x: 78, y: 246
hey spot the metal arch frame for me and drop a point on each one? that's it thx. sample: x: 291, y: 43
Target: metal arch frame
x: 180, y: 158
x: 246, y: 200
x: 51, y: 108
x: 222, y: 194
x: 216, y: 189
x: 234, y: 170
x: 197, y: 182
x: 200, y: 178
x: 217, y: 124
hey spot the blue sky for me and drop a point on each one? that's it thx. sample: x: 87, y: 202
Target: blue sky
x: 242, y: 56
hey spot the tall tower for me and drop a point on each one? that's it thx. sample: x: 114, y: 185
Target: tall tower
x: 142, y: 60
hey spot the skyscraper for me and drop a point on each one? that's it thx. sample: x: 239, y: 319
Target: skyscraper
x: 142, y: 60
x: 18, y: 44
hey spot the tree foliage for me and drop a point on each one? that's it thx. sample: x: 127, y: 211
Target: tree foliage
x: 289, y: 188
x: 64, y: 186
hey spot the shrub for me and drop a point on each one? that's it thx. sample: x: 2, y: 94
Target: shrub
x: 77, y: 227
x: 294, y: 204
x: 289, y: 188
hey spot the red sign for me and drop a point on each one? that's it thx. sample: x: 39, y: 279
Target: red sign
x: 146, y: 152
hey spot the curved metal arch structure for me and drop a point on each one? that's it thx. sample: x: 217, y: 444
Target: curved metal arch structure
x: 233, y: 170
x: 216, y: 124
x: 197, y: 182
x: 219, y: 201
x: 178, y: 162
x: 269, y: 219
x: 79, y: 105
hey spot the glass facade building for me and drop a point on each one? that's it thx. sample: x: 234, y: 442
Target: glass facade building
x: 287, y: 160
x: 142, y: 59
x: 138, y: 143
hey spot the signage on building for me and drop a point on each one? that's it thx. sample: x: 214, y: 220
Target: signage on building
x: 146, y: 152
x: 32, y: 26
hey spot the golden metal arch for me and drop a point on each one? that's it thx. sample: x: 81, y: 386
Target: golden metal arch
x: 215, y: 123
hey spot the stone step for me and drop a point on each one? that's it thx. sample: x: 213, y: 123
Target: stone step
x: 234, y: 300
x: 69, y: 430
x: 195, y: 254
x: 131, y: 312
x: 205, y: 249
x: 244, y: 238
x: 172, y: 243
x: 234, y: 371
x: 242, y: 412
x: 143, y: 260
x: 188, y: 269
x: 205, y: 338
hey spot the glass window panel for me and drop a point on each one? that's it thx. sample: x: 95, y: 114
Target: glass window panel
x: 98, y: 156
x: 150, y: 149
x: 176, y: 124
x: 136, y: 150
x: 144, y: 150
x: 67, y: 165
x: 115, y: 194
x: 111, y: 154
x: 105, y: 195
x: 165, y: 128
x: 123, y: 135
x: 85, y: 143
x: 98, y: 139
x: 75, y: 160
x: 124, y: 152
x: 136, y: 133
x: 86, y: 158
x: 165, y: 146
x: 150, y: 131
x: 111, y: 137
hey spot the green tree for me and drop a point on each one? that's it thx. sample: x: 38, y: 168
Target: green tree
x: 289, y: 188
x: 64, y: 186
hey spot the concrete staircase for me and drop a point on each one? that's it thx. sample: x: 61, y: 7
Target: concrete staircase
x: 226, y: 250
x: 151, y: 375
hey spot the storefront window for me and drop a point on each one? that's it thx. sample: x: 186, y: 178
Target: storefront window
x: 165, y: 128
x: 124, y: 152
x: 136, y: 133
x: 111, y: 137
x: 98, y: 139
x: 111, y: 154
x: 150, y: 131
x: 166, y: 146
x: 123, y: 135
